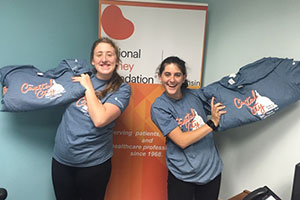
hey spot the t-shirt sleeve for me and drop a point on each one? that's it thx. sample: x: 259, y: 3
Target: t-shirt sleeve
x: 162, y: 117
x: 204, y: 98
x: 121, y: 97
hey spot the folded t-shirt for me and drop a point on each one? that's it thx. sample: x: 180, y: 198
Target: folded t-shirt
x: 256, y: 91
x: 31, y: 89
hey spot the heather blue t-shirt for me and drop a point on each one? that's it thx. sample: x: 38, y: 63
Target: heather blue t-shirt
x: 31, y: 89
x: 78, y: 142
x: 257, y: 91
x: 200, y: 162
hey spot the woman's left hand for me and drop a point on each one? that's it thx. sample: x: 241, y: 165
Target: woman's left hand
x: 84, y: 80
x: 216, y: 111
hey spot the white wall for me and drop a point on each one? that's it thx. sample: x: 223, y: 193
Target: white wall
x: 240, y: 32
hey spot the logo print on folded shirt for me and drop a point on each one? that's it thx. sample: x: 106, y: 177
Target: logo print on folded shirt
x: 259, y: 105
x: 82, y: 105
x: 49, y: 90
x: 115, y: 25
x: 191, y: 121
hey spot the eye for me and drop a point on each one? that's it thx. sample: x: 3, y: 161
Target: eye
x: 178, y: 74
x: 167, y: 74
x: 98, y: 55
x: 110, y: 53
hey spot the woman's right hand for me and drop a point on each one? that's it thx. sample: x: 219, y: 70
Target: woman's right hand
x: 216, y: 111
x: 4, y: 90
x: 84, y: 80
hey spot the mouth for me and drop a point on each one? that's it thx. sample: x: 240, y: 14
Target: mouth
x: 171, y: 85
x: 105, y: 65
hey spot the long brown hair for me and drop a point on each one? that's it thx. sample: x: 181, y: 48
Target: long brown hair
x: 116, y: 80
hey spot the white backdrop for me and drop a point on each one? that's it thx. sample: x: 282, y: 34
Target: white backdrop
x: 160, y: 30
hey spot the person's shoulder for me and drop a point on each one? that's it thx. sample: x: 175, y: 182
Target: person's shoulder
x: 188, y: 91
x: 161, y: 101
x: 125, y: 87
x: 124, y: 84
x: 194, y: 91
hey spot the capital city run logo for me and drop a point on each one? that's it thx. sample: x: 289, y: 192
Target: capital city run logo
x: 115, y: 25
x: 259, y: 105
x: 49, y: 90
x: 191, y: 121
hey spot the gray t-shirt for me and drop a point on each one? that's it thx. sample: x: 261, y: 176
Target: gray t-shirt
x: 257, y: 91
x: 31, y: 89
x: 200, y: 162
x: 78, y: 142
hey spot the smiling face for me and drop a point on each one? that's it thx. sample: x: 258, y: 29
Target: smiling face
x: 172, y: 79
x: 104, y: 60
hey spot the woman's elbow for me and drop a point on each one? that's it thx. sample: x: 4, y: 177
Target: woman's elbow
x: 99, y: 123
x: 183, y: 144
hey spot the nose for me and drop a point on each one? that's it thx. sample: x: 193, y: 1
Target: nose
x: 172, y: 78
x: 104, y: 58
